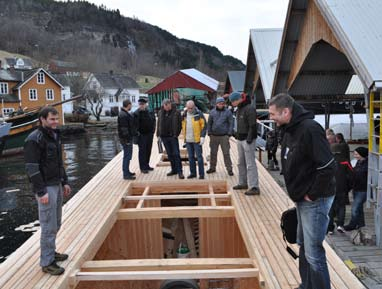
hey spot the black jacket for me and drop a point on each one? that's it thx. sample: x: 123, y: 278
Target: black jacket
x: 126, y: 129
x: 144, y: 121
x: 43, y: 159
x: 169, y: 123
x: 360, y: 176
x: 307, y: 162
x: 246, y: 127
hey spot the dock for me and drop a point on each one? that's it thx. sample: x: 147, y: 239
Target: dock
x: 113, y: 232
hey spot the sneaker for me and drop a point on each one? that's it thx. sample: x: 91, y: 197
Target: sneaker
x: 230, y: 173
x: 191, y: 176
x: 201, y: 177
x: 252, y: 192
x: 240, y: 187
x: 171, y: 173
x: 181, y: 176
x: 58, y: 257
x: 53, y: 269
x: 129, y: 177
x: 340, y: 229
x: 210, y: 171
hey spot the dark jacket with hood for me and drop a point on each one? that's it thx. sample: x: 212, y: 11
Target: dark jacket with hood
x: 246, y: 125
x: 144, y: 121
x: 307, y: 162
x: 126, y: 127
x: 169, y: 122
x: 360, y: 176
x: 43, y: 160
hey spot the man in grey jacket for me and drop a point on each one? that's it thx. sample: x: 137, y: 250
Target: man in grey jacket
x: 220, y: 128
x: 246, y: 134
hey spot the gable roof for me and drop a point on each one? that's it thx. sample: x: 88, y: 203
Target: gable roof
x: 28, y: 75
x: 357, y: 26
x: 266, y: 46
x: 236, y: 79
x: 186, y: 78
x: 115, y: 81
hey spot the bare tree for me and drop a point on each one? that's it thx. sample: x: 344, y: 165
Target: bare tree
x: 95, y: 100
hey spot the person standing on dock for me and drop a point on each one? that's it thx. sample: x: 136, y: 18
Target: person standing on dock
x: 126, y: 133
x: 145, y: 125
x: 194, y: 129
x: 45, y: 169
x: 220, y: 129
x: 169, y: 126
x: 308, y: 167
x: 246, y: 134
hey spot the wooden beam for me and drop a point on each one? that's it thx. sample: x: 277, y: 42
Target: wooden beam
x: 189, y: 237
x: 177, y: 197
x: 164, y: 275
x: 177, y: 212
x: 166, y: 264
x: 145, y: 193
x: 211, y: 192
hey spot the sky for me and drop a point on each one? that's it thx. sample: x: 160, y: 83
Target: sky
x: 224, y: 24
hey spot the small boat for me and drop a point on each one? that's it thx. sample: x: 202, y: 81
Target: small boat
x: 4, y: 132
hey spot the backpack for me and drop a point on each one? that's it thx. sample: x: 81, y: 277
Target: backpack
x: 288, y: 226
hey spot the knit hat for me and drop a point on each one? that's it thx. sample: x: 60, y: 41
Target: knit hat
x: 362, y: 151
x: 234, y: 96
x: 220, y: 99
x: 142, y: 100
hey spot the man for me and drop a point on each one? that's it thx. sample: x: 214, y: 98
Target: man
x: 45, y: 169
x: 126, y: 133
x: 246, y: 134
x: 194, y: 130
x: 308, y: 167
x: 169, y: 126
x: 220, y: 128
x: 145, y: 125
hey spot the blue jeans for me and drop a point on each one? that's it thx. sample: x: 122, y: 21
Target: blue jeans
x: 192, y: 149
x: 313, y: 222
x: 127, y: 154
x: 357, y: 215
x: 171, y: 145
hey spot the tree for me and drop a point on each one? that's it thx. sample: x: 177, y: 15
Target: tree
x: 95, y: 100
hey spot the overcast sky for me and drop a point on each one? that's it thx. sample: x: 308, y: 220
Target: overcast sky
x: 224, y: 24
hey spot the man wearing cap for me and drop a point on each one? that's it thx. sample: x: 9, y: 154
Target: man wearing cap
x: 145, y: 125
x: 220, y: 128
x: 246, y: 134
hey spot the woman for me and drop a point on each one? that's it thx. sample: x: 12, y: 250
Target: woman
x: 359, y: 189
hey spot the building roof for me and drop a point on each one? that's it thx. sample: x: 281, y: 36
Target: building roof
x: 9, y: 98
x: 357, y: 26
x: 64, y: 64
x: 29, y: 74
x: 186, y: 78
x: 115, y: 81
x: 19, y: 63
x: 236, y: 79
x: 266, y: 46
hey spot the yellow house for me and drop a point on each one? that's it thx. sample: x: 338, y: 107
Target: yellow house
x: 28, y: 90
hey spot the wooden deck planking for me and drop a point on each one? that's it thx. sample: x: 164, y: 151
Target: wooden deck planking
x: 88, y: 215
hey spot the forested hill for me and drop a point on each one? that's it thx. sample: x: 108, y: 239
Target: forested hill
x: 99, y: 39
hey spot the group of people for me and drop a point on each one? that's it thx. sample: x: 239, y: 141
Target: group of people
x: 171, y: 123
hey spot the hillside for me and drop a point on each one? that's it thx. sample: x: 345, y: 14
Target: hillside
x: 98, y: 39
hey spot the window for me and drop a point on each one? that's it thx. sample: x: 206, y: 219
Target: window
x: 111, y: 98
x: 133, y: 98
x: 49, y: 94
x: 3, y: 88
x: 7, y: 110
x: 32, y: 94
x: 41, y: 78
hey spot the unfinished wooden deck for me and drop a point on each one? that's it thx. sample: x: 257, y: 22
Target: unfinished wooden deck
x: 92, y: 213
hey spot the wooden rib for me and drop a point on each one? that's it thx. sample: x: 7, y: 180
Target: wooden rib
x: 164, y: 275
x: 166, y: 264
x: 145, y: 193
x: 193, y: 186
x: 189, y: 237
x: 177, y: 197
x: 211, y: 192
x: 177, y: 212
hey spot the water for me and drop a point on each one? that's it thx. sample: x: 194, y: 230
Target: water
x: 85, y: 155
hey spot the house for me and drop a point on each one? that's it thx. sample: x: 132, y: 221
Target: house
x: 16, y: 63
x: 28, y: 90
x: 234, y: 81
x: 66, y: 93
x: 63, y: 67
x: 112, y: 89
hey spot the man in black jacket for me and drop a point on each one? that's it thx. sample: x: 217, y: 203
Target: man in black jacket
x: 308, y: 167
x: 169, y: 127
x: 145, y: 125
x: 126, y: 132
x: 44, y: 167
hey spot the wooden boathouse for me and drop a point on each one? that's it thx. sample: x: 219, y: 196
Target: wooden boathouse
x: 113, y: 232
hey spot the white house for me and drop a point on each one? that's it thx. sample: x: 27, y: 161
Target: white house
x: 113, y: 88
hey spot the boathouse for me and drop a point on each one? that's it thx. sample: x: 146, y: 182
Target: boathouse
x: 234, y: 81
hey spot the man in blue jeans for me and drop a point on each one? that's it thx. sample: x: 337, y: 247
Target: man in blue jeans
x: 308, y: 167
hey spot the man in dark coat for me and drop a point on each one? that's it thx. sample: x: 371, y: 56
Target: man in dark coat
x: 308, y: 167
x: 145, y: 125
x: 45, y: 169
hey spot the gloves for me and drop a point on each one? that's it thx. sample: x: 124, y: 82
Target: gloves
x: 201, y: 141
